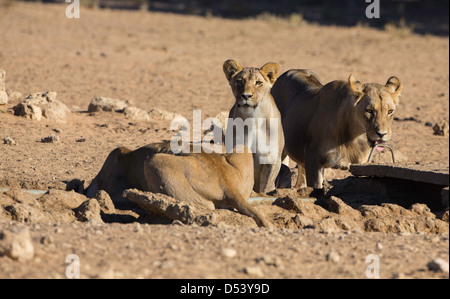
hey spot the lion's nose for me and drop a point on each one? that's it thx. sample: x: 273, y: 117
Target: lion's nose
x: 246, y: 96
x: 381, y: 134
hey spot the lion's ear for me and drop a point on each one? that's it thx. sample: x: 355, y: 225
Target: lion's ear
x: 395, y: 87
x: 270, y: 70
x: 357, y: 88
x: 231, y: 68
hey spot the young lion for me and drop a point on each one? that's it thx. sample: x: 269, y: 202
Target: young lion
x: 332, y: 125
x: 251, y: 89
x: 209, y: 180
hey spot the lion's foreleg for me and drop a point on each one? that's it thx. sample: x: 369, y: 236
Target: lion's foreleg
x: 301, y: 179
x: 314, y: 173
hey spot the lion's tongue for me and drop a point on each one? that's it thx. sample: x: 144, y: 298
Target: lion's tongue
x: 380, y: 148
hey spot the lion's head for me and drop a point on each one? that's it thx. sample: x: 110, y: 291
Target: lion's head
x: 375, y: 105
x: 250, y: 85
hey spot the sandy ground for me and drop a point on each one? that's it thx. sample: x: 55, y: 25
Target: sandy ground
x: 174, y: 63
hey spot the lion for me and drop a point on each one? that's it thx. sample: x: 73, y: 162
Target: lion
x: 253, y: 102
x: 210, y: 180
x: 332, y: 125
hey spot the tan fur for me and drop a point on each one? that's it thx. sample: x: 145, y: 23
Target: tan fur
x: 209, y: 180
x: 332, y: 125
x: 251, y: 90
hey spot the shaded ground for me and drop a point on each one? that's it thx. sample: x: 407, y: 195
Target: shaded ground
x: 173, y: 62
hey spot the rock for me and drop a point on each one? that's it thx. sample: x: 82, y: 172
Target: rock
x: 438, y: 265
x: 302, y: 221
x: 17, y: 244
x: 50, y: 107
x: 135, y: 114
x: 13, y: 95
x: 89, y: 211
x: 105, y: 202
x: 445, y: 216
x: 2, y: 79
x: 422, y: 210
x: 28, y: 111
x: 9, y: 141
x: 441, y: 128
x: 26, y: 213
x: 332, y: 256
x: 162, y: 114
x: 106, y: 104
x: 51, y: 139
x: 229, y: 252
x: 166, y: 207
x: 336, y: 205
x: 59, y: 199
x: 384, y: 210
x: 3, y: 97
x: 271, y: 261
x: 3, y: 94
x: 219, y: 120
x: 305, y: 208
x: 254, y: 271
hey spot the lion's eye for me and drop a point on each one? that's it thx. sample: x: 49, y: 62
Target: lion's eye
x: 390, y: 112
x: 370, y: 111
x: 259, y: 83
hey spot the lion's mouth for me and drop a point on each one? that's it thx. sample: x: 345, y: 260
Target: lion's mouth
x: 247, y: 105
x: 378, y: 142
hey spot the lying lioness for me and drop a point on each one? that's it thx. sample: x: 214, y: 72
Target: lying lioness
x: 210, y: 180
x: 332, y: 125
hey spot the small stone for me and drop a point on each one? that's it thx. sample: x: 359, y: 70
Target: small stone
x: 333, y: 256
x: 379, y: 246
x: 16, y: 244
x: 229, y: 252
x: 441, y: 128
x: 9, y: 141
x: 438, y: 265
x: 47, y: 240
x: 254, y: 271
x: 51, y: 139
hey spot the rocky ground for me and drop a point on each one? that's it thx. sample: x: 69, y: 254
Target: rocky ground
x: 157, y: 65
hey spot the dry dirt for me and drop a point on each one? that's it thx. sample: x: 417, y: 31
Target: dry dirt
x: 174, y: 63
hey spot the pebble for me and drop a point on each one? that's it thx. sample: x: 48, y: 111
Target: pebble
x: 438, y: 265
x: 229, y: 252
x: 333, y: 256
x: 9, y: 141
x: 254, y: 271
x: 51, y: 139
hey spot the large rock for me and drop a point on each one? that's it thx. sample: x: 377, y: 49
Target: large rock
x: 163, y: 207
x: 89, y: 211
x: 156, y: 113
x: 166, y: 207
x: 50, y: 107
x: 106, y: 104
x: 29, y: 111
x: 135, y: 114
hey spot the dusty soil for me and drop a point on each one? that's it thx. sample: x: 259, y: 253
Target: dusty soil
x: 173, y: 63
